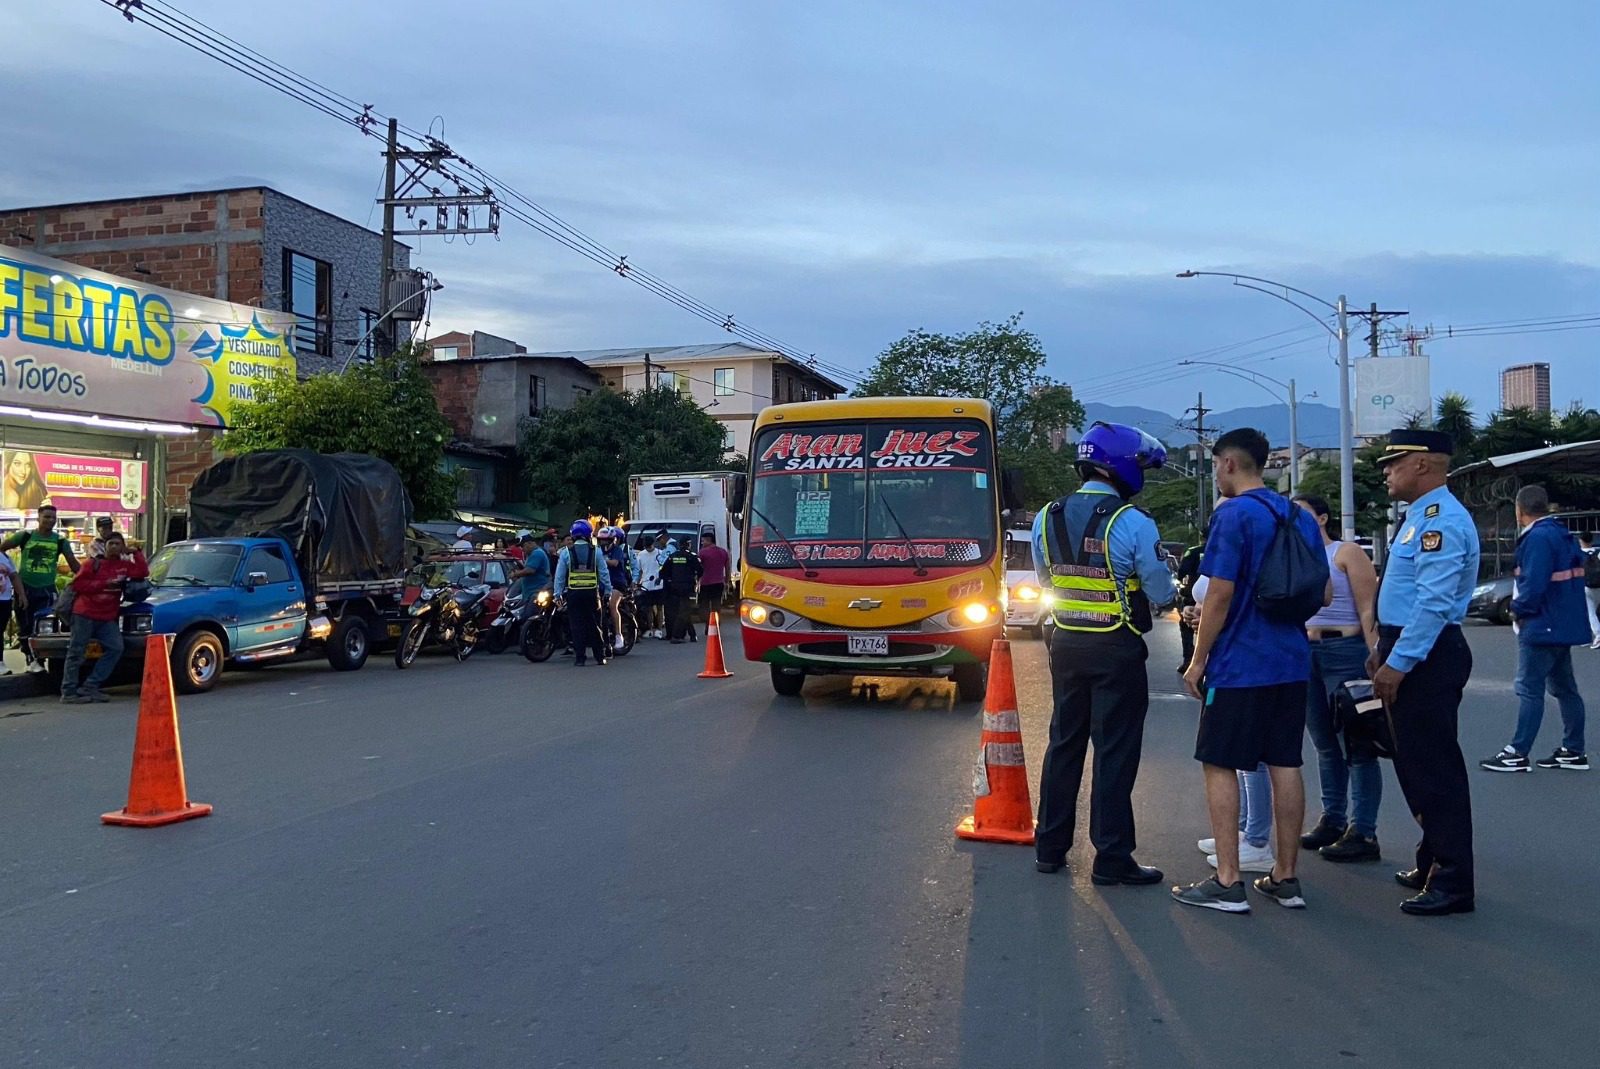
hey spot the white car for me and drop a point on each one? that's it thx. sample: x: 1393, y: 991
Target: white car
x: 1028, y: 604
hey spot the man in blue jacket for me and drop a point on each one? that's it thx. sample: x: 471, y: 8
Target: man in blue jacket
x: 1552, y: 617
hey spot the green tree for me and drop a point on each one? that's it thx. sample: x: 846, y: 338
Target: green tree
x: 582, y: 456
x: 1172, y: 500
x: 1516, y: 430
x: 1453, y: 415
x: 1321, y: 479
x: 385, y: 408
x: 1004, y: 364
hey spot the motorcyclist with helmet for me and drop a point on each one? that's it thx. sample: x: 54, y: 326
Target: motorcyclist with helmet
x: 584, y: 581
x: 623, y: 567
x: 1097, y: 553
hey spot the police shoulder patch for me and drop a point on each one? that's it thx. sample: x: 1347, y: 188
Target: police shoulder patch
x: 1432, y: 541
x: 1430, y: 512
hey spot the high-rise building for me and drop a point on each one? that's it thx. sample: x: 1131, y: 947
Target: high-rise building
x: 1526, y: 386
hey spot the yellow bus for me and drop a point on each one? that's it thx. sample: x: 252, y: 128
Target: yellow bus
x: 872, y: 540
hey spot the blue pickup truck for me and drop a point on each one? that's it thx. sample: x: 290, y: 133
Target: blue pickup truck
x: 298, y: 553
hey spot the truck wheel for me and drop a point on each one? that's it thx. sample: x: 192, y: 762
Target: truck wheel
x: 196, y: 662
x: 972, y: 681
x: 349, y: 644
x: 788, y: 684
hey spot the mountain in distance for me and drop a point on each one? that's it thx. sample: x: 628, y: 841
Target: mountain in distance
x: 1319, y: 423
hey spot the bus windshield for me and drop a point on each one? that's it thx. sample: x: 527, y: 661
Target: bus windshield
x: 872, y: 494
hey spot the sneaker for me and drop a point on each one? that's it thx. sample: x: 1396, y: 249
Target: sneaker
x: 1595, y: 645
x: 94, y: 694
x: 34, y: 668
x: 1565, y: 758
x: 618, y: 644
x: 1352, y: 846
x: 74, y: 699
x: 1324, y: 834
x: 1507, y: 760
x: 1251, y: 858
x: 5, y: 670
x: 1209, y: 894
x: 1284, y: 892
x: 1209, y: 846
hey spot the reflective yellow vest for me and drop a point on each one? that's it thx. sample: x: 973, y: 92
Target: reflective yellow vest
x: 583, y: 578
x: 1088, y: 596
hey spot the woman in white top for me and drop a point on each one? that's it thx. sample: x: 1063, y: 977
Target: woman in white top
x: 1342, y: 635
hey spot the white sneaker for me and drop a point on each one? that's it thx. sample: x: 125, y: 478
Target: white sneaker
x: 34, y: 667
x: 1251, y: 858
x: 618, y: 644
x: 1209, y: 846
x: 5, y: 670
x: 1595, y: 645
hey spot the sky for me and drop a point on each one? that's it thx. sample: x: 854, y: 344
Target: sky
x: 837, y: 173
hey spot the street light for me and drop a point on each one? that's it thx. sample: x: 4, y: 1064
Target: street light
x: 1294, y: 411
x: 1347, y: 449
x: 432, y: 285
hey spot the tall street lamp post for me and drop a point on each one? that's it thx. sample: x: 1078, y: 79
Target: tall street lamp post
x: 1347, y: 451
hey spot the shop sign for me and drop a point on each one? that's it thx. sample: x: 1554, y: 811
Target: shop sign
x: 77, y: 340
x: 71, y: 483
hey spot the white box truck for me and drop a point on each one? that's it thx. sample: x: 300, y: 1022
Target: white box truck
x: 686, y: 505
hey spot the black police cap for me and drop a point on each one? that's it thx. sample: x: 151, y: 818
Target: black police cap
x: 1405, y: 442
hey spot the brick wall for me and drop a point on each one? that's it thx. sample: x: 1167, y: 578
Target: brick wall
x: 187, y: 457
x: 455, y: 384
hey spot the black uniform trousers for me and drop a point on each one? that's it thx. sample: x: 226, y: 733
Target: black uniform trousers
x: 1428, y: 761
x: 583, y: 621
x: 1101, y: 694
x: 680, y: 618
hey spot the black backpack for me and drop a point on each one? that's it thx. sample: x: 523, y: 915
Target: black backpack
x: 1591, y: 570
x: 1293, y: 577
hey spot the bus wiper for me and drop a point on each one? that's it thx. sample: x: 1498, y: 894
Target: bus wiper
x: 921, y: 568
x: 808, y: 571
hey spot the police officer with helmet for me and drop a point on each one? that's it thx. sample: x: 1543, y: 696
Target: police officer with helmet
x: 582, y: 579
x: 1422, y: 662
x: 1097, y: 554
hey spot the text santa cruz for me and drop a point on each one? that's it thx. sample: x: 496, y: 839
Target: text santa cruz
x: 900, y: 449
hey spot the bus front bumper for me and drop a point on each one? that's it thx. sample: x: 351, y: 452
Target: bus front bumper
x: 909, y: 653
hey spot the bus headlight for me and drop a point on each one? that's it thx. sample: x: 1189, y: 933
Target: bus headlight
x: 753, y: 612
x: 973, y: 612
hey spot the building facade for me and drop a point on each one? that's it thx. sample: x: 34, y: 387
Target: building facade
x: 732, y: 382
x: 1525, y: 386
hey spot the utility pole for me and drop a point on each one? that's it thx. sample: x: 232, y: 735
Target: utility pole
x: 647, y: 373
x: 1199, y: 410
x: 390, y: 154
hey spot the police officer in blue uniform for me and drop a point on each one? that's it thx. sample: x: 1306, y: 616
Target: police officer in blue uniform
x: 1422, y: 663
x: 1097, y: 554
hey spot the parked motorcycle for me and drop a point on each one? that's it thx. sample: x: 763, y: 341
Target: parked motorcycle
x: 445, y: 615
x: 545, y: 630
x: 629, y: 610
x: 506, y: 630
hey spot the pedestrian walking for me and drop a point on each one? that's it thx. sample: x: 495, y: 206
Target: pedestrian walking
x: 1250, y: 669
x: 715, y: 561
x: 1552, y: 617
x: 40, y: 550
x: 97, y: 617
x: 1343, y: 635
x: 582, y: 579
x: 679, y: 573
x: 1422, y: 664
x: 1097, y: 554
x: 1591, y: 585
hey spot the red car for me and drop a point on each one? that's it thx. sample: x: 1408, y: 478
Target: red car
x: 463, y: 569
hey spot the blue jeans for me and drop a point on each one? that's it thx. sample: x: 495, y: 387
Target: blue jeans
x: 1335, y: 662
x: 84, y: 630
x: 1255, y: 806
x: 1540, y: 668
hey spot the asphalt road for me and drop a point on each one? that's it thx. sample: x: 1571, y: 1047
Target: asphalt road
x: 499, y: 864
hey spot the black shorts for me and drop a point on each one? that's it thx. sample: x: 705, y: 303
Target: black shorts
x: 1241, y: 727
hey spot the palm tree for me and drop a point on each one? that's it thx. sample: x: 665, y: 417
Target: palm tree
x: 1454, y: 417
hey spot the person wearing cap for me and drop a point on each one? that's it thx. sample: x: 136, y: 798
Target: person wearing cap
x: 1422, y: 663
x: 1096, y: 552
x: 518, y: 549
x: 104, y: 528
x: 463, y: 539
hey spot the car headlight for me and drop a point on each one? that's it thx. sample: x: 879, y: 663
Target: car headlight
x: 1025, y: 592
x: 140, y: 623
x: 1480, y: 591
x: 1047, y: 599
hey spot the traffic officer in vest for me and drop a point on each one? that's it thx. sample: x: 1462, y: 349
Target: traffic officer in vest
x: 582, y: 579
x: 1098, y: 556
x: 1422, y: 662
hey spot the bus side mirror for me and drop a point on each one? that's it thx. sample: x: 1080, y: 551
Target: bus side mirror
x: 737, y: 486
x: 1011, y: 489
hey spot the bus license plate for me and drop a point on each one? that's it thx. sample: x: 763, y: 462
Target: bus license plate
x: 870, y: 645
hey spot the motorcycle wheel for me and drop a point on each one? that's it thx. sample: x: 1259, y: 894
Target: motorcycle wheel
x: 630, y: 633
x: 496, y: 640
x: 466, y: 640
x: 537, y: 645
x: 411, y: 643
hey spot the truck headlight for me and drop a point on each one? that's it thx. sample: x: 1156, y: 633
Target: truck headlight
x: 1025, y: 592
x: 139, y: 623
x: 45, y: 625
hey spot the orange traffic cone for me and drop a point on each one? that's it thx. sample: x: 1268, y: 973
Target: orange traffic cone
x: 156, y: 792
x: 1002, y: 811
x: 715, y: 669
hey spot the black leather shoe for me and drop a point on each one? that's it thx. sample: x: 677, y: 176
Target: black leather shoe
x: 1436, y: 903
x: 1324, y: 834
x: 1050, y: 866
x: 1352, y: 846
x: 1415, y: 879
x: 1136, y: 875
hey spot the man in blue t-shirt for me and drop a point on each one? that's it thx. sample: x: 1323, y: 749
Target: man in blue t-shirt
x: 1251, y: 672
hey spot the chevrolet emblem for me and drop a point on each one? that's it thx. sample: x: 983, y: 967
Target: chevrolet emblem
x: 866, y: 604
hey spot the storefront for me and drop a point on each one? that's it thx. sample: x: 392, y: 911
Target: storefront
x: 100, y: 376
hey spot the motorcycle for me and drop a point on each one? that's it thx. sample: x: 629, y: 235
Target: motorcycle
x: 506, y: 630
x: 447, y: 615
x: 545, y: 630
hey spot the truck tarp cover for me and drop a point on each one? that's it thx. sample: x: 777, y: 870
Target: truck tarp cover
x: 345, y: 514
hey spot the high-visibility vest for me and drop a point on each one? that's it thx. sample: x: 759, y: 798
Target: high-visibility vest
x: 582, y: 576
x: 1088, y: 595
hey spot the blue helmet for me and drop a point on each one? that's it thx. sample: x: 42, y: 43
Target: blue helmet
x: 581, y: 529
x: 1126, y: 452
